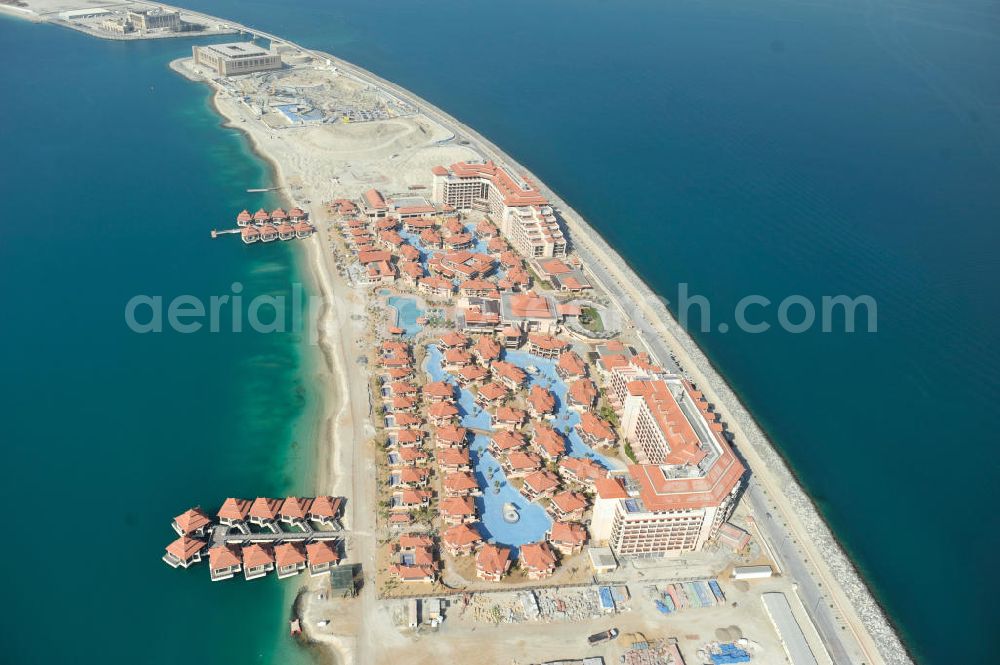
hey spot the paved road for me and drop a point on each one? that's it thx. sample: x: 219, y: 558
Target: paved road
x: 793, y: 564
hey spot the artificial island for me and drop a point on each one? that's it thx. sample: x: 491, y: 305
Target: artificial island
x: 522, y: 448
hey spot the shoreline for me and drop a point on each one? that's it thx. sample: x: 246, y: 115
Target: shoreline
x: 745, y: 428
x: 770, y: 469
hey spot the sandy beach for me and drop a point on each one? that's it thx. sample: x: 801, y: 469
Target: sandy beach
x: 316, y: 164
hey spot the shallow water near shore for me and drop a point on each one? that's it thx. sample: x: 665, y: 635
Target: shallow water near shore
x: 118, y: 169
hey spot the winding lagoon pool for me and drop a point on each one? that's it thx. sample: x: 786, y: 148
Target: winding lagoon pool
x: 407, y: 314
x: 497, y: 492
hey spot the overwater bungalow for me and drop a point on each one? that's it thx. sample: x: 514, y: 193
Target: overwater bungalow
x: 268, y: 233
x: 224, y: 562
x: 289, y: 559
x: 286, y: 231
x: 234, y: 511
x: 297, y: 215
x: 492, y: 562
x: 244, y: 218
x: 192, y: 522
x: 249, y: 234
x: 303, y: 230
x: 322, y: 556
x: 184, y: 551
x: 325, y: 510
x: 294, y: 509
x: 264, y: 511
x: 258, y: 560
x: 278, y: 216
x: 261, y: 217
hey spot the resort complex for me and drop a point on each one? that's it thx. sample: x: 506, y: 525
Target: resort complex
x: 513, y: 436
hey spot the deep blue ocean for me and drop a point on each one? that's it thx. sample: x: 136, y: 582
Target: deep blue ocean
x: 740, y: 148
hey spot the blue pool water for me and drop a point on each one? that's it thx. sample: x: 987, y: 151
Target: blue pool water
x: 534, y: 520
x: 565, y: 418
x: 407, y: 314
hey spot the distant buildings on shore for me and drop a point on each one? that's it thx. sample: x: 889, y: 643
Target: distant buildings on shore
x: 235, y: 58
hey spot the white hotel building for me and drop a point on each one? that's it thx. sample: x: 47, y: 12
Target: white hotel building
x: 522, y: 213
x: 685, y: 485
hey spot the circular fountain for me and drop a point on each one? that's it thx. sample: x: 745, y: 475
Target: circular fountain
x: 510, y: 514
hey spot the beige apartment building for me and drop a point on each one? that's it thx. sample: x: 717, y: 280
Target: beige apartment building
x: 524, y: 216
x: 145, y: 20
x: 236, y: 58
x: 685, y: 485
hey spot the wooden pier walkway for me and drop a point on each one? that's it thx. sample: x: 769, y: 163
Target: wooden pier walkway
x: 242, y: 535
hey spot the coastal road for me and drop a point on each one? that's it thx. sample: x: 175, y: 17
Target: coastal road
x: 792, y: 562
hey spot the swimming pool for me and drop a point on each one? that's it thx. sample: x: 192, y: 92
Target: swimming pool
x: 548, y: 378
x: 407, y: 314
x: 534, y: 521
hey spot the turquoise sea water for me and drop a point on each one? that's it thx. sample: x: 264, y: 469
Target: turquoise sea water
x: 764, y: 146
x: 114, y: 171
